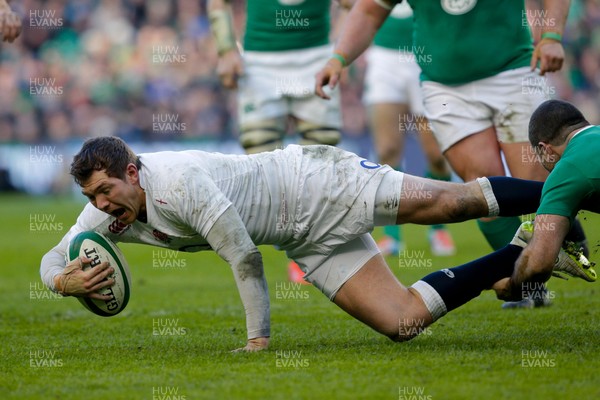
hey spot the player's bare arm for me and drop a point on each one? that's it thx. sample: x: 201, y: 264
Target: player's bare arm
x: 537, y: 259
x: 362, y: 23
x: 10, y: 23
x: 549, y: 51
x: 229, y: 238
x: 229, y: 66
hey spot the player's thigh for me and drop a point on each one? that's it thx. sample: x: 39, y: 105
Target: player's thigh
x: 375, y: 297
x: 260, y: 88
x: 514, y: 95
x: 476, y: 155
x: 522, y: 161
x: 454, y: 112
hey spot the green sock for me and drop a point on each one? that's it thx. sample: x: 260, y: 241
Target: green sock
x: 394, y: 232
x: 446, y: 178
x: 500, y: 231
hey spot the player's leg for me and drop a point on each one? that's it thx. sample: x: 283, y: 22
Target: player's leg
x: 387, y: 97
x: 388, y: 137
x: 405, y: 198
x: 318, y: 121
x: 262, y: 110
x: 479, y: 155
x: 375, y: 297
x: 440, y: 239
x: 463, y: 125
x: 514, y: 95
x: 355, y: 276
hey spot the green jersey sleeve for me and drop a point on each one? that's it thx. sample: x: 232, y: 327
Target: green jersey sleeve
x: 565, y: 190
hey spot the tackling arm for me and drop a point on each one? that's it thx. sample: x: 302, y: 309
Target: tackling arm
x: 536, y: 262
x: 229, y: 238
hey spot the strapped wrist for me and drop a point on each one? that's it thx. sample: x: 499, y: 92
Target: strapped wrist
x: 221, y: 27
x: 340, y: 58
x: 552, y: 36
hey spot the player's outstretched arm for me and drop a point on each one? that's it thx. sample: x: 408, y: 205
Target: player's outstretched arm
x: 70, y: 279
x: 360, y: 27
x: 229, y: 238
x: 549, y: 51
x: 229, y: 66
x: 10, y: 23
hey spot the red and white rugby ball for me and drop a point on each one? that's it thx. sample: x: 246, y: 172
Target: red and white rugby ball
x: 99, y: 248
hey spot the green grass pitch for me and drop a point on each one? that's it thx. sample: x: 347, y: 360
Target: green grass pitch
x: 174, y: 339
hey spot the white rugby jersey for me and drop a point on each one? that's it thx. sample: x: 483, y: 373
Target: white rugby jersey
x: 286, y: 197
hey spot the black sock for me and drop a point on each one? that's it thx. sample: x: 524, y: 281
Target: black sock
x: 516, y: 196
x: 458, y: 285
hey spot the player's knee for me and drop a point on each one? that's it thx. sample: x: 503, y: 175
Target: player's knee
x: 261, y: 136
x: 317, y: 134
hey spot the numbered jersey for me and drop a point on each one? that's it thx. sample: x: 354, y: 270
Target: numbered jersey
x: 461, y: 41
x: 278, y: 25
x: 397, y: 30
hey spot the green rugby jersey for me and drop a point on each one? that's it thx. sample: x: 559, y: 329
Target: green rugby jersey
x: 456, y: 42
x: 279, y: 25
x: 396, y: 31
x: 575, y: 181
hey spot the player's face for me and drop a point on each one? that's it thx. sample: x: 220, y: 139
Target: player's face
x: 548, y: 158
x: 117, y: 197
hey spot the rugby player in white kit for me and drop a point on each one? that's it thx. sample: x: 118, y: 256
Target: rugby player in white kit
x: 318, y: 203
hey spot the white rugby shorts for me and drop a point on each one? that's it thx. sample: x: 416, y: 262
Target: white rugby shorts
x: 505, y: 101
x: 281, y: 83
x: 393, y: 77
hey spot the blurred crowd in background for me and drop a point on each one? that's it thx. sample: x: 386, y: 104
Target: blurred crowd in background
x: 84, y: 68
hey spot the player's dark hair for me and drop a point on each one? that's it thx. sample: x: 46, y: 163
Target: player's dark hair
x: 553, y: 121
x: 106, y: 153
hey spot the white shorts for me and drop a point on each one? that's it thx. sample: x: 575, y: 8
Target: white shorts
x: 277, y: 84
x: 337, y: 208
x: 393, y: 77
x: 505, y: 101
x: 339, y: 266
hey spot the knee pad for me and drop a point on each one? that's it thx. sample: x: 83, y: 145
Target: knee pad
x: 311, y: 133
x: 262, y: 136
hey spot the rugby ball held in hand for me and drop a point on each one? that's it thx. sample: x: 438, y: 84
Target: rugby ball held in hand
x: 99, y: 248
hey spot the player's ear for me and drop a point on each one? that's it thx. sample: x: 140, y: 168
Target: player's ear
x: 132, y: 173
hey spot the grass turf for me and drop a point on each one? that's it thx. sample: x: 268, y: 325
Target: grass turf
x: 173, y: 340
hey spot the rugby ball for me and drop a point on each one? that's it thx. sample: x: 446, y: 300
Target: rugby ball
x: 99, y: 248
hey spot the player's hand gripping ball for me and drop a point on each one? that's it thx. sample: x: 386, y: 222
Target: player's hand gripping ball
x: 99, y: 249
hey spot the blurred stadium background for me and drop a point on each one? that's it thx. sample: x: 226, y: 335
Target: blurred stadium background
x: 145, y: 71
